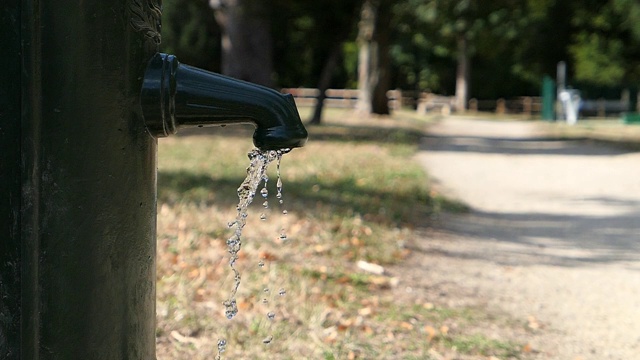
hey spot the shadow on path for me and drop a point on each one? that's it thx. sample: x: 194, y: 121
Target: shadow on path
x: 514, y: 146
x: 559, y: 240
x: 588, y: 222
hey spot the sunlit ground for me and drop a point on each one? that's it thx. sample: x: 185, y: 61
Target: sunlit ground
x: 352, y: 194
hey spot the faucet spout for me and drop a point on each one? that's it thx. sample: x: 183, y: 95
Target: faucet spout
x: 175, y: 95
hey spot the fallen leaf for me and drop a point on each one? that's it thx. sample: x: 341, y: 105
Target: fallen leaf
x: 244, y: 305
x: 366, y: 311
x: 193, y: 273
x: 431, y: 332
x: 370, y: 267
x: 265, y: 255
x: 444, y: 329
x: 533, y: 323
x: 406, y: 325
x: 183, y: 339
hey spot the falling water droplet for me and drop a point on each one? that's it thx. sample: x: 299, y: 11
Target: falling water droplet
x: 256, y: 173
x: 271, y: 315
x: 279, y: 181
x: 285, y: 212
x: 261, y: 263
x: 265, y: 204
x: 231, y: 308
x: 266, y: 290
x: 282, y: 292
x: 283, y: 235
x: 265, y: 301
x: 263, y: 216
x: 267, y: 340
x: 222, y: 345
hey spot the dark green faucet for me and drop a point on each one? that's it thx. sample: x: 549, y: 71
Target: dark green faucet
x: 176, y: 95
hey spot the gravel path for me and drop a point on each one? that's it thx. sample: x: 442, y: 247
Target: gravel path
x: 553, y: 237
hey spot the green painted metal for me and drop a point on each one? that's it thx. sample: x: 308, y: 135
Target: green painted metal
x: 78, y: 171
x: 83, y: 251
x: 10, y: 106
x: 631, y: 118
x: 548, y: 98
x: 195, y: 97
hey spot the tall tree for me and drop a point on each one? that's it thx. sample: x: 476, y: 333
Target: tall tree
x: 246, y: 39
x: 374, y: 62
x: 605, y: 43
x: 459, y: 28
x: 190, y: 31
x: 341, y: 20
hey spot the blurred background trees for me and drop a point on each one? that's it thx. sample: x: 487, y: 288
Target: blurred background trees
x: 470, y: 48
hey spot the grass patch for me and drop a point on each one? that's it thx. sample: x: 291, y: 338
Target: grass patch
x: 481, y: 345
x: 352, y: 194
x: 610, y: 132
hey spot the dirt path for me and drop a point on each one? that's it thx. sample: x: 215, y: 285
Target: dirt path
x: 553, y: 237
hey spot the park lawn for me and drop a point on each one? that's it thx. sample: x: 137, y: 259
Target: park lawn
x: 352, y: 194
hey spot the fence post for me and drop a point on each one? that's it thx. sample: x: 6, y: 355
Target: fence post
x: 473, y: 105
x: 602, y: 110
x: 501, y: 106
x: 527, y: 105
x: 548, y: 98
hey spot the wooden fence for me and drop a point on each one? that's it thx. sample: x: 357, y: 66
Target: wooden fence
x: 429, y: 103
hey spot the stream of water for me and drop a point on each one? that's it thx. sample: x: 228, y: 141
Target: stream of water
x: 259, y: 161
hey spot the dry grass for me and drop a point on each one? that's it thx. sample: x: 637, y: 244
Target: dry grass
x: 352, y: 194
x: 610, y: 131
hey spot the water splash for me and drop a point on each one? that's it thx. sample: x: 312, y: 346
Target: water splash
x: 279, y: 183
x: 256, y: 173
x: 222, y: 347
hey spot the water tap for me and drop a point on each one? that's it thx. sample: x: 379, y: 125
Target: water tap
x: 175, y: 95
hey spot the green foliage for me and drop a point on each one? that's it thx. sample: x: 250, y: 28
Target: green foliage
x: 512, y: 43
x: 605, y: 42
x: 597, y: 59
x: 189, y: 31
x: 629, y: 11
x: 305, y: 33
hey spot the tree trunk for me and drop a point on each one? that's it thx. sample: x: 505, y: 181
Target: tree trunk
x: 325, y: 82
x: 381, y: 35
x: 246, y: 40
x: 367, y: 57
x: 373, y: 59
x: 462, y: 75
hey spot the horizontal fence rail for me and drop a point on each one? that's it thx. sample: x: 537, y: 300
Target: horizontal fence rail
x: 430, y: 103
